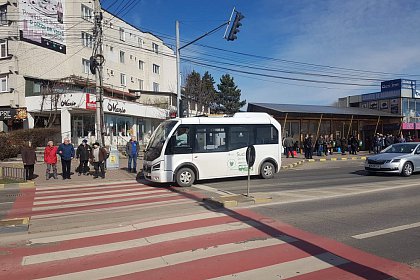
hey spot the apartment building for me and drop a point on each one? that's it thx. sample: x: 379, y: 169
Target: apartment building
x: 45, y: 80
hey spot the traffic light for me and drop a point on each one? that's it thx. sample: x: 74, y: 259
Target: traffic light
x: 93, y: 64
x: 235, y: 27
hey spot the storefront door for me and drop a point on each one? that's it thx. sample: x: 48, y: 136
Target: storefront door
x: 77, y: 131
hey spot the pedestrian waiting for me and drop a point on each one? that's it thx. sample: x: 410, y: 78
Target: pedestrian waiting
x: 66, y: 152
x: 132, y: 149
x: 98, y: 156
x: 50, y: 159
x: 29, y: 159
x: 83, y: 154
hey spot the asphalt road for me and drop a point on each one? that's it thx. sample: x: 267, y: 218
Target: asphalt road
x: 391, y: 205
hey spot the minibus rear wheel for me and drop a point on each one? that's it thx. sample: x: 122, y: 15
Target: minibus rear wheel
x: 185, y: 177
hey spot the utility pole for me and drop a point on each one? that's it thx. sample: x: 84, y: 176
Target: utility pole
x: 97, y: 61
x: 178, y: 72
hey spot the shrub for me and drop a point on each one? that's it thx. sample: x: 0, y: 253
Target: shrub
x: 11, y: 143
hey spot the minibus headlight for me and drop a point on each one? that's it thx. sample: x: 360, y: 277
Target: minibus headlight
x: 156, y: 167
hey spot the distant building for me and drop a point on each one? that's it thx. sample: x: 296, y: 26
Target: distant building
x: 399, y: 97
x: 44, y: 69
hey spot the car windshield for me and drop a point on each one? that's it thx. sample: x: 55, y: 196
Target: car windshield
x: 159, y: 136
x: 400, y: 149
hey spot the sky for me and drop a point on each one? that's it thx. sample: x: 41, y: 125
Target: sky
x: 291, y: 52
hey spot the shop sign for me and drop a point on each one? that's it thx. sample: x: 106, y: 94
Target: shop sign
x: 407, y: 126
x: 391, y: 85
x: 115, y: 108
x: 13, y: 114
x: 67, y: 103
x: 90, y: 104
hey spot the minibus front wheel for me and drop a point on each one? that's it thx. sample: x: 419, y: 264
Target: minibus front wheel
x: 185, y: 177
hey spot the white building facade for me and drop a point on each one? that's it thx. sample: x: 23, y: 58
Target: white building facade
x: 44, y: 68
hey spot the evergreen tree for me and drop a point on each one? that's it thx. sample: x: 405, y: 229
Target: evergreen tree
x: 208, y: 92
x: 229, y: 96
x: 192, y: 88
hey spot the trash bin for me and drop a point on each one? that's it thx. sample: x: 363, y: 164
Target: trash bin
x: 113, y: 161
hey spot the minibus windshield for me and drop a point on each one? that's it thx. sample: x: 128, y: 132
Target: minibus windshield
x: 154, y: 148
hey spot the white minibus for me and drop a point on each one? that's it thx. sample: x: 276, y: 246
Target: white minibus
x: 185, y: 150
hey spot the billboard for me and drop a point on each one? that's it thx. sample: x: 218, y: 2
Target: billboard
x: 41, y: 23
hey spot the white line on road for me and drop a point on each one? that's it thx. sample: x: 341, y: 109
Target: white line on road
x: 137, y: 243
x: 289, y: 269
x: 385, y: 231
x: 133, y: 227
x: 168, y: 260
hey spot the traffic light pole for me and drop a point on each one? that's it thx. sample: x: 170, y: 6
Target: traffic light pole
x: 178, y: 59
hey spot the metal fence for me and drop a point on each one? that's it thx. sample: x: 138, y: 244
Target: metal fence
x: 13, y: 173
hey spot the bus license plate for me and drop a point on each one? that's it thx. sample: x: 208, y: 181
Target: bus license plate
x: 376, y: 166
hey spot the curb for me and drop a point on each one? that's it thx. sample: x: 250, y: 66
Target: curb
x: 26, y: 185
x: 291, y: 165
x: 231, y: 201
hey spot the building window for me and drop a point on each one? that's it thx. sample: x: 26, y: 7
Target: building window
x: 140, y: 42
x: 86, y: 66
x: 141, y: 82
x: 87, y: 40
x: 3, y: 15
x: 3, y: 84
x: 122, y: 34
x: 155, y: 87
x: 87, y: 13
x: 123, y: 80
x: 122, y: 57
x: 141, y: 64
x: 156, y: 69
x: 155, y: 48
x: 3, y: 48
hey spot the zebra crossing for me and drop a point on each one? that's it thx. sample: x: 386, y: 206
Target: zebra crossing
x: 204, y: 244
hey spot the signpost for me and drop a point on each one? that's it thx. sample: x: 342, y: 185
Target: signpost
x: 250, y: 160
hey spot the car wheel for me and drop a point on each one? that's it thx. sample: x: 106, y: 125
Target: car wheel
x: 185, y: 177
x: 267, y: 170
x: 407, y: 169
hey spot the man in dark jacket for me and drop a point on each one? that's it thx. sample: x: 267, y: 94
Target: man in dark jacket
x: 83, y: 153
x: 288, y: 145
x: 132, y: 149
x: 29, y: 159
x: 66, y: 152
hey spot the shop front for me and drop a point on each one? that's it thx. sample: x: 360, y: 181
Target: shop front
x: 12, y: 118
x: 75, y: 114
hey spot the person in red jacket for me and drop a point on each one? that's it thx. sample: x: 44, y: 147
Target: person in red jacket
x: 50, y: 158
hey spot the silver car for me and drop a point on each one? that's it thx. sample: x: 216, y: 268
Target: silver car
x: 402, y: 158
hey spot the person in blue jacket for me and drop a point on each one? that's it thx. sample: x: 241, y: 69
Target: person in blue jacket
x: 66, y: 152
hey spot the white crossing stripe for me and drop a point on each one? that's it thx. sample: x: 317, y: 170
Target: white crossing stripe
x: 122, y: 208
x: 385, y: 231
x: 100, y: 191
x: 289, y: 269
x: 167, y: 260
x: 133, y: 227
x: 63, y: 206
x: 95, y: 185
x: 45, y: 202
x: 136, y: 243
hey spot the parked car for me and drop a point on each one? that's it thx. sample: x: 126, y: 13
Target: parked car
x: 402, y: 158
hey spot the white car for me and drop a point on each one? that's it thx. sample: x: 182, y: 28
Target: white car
x: 402, y: 158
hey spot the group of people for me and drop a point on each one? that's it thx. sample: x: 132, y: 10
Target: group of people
x: 325, y: 145
x: 96, y: 155
x: 380, y: 141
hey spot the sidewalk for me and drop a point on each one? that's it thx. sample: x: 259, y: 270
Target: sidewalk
x: 300, y: 159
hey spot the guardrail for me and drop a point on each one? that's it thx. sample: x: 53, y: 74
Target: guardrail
x: 13, y: 173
